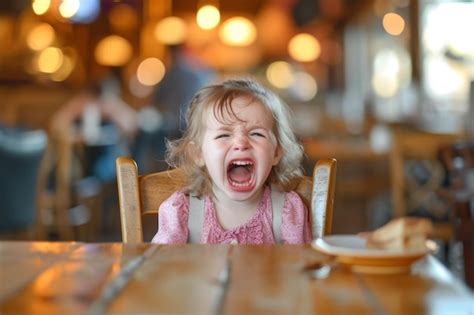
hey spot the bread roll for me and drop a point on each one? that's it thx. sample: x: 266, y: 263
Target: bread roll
x: 401, y: 233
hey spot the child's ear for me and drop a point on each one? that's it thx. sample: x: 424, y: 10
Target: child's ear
x: 278, y: 155
x: 195, y: 152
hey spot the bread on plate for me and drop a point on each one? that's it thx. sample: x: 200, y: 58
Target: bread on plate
x: 401, y: 233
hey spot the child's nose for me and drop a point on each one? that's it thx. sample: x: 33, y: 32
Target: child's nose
x: 241, y: 142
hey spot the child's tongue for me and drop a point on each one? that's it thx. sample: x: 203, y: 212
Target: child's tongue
x: 240, y: 174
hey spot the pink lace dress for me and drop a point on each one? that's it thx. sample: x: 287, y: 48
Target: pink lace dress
x: 173, y: 222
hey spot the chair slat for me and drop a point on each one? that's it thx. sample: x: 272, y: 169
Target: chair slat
x: 129, y: 200
x: 322, y: 198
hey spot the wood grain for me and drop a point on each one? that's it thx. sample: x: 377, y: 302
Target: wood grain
x: 67, y: 278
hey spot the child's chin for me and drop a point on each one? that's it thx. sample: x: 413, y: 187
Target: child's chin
x: 241, y: 196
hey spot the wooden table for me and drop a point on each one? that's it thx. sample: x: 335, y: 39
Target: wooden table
x: 341, y: 149
x: 69, y: 278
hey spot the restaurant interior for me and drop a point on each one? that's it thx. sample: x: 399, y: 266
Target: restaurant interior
x: 386, y: 87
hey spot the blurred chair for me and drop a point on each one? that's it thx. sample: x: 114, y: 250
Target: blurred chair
x: 416, y: 175
x: 75, y: 198
x: 88, y: 132
x: 139, y: 195
x: 458, y: 160
x: 21, y: 153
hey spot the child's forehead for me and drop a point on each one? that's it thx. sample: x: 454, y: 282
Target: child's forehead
x: 238, y: 109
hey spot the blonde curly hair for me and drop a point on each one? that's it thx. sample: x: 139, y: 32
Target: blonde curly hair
x: 217, y: 99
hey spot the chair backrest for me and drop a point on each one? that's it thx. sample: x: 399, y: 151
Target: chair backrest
x: 139, y: 195
x: 21, y: 153
x: 416, y: 174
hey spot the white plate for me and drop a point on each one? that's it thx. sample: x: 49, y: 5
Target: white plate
x: 351, y: 250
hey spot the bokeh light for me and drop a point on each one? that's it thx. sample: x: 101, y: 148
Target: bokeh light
x: 304, y: 87
x: 40, y: 7
x: 40, y: 37
x: 87, y: 12
x: 68, y: 8
x: 113, y: 50
x: 391, y: 71
x: 49, y: 60
x: 385, y: 86
x: 304, y: 47
x: 171, y: 30
x: 385, y: 81
x: 280, y: 74
x: 150, y: 71
x: 444, y: 79
x: 208, y: 17
x: 393, y: 24
x: 238, y: 31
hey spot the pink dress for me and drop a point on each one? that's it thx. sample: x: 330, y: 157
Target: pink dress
x: 173, y: 222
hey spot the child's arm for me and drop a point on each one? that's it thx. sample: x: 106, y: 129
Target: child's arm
x: 295, y: 228
x: 173, y: 220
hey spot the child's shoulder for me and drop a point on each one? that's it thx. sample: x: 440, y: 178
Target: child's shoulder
x: 292, y: 197
x: 179, y: 199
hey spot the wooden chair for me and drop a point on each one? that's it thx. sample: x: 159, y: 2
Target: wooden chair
x: 458, y: 160
x: 71, y: 206
x: 139, y: 195
x: 410, y: 147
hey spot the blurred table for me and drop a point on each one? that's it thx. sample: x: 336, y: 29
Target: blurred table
x: 68, y: 278
x: 341, y: 148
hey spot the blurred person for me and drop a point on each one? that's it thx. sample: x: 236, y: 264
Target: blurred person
x: 89, y: 132
x: 102, y: 121
x: 186, y: 75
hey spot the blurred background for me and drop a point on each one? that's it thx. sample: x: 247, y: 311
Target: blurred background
x: 384, y: 86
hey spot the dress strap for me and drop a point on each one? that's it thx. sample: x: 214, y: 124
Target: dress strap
x: 195, y: 219
x: 196, y: 216
x: 278, y: 199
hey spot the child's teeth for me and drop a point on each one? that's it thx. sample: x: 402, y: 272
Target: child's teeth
x: 242, y: 162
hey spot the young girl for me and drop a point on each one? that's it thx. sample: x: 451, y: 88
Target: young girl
x: 238, y: 148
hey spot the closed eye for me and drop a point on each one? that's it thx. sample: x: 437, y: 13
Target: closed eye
x: 220, y: 136
x: 258, y: 134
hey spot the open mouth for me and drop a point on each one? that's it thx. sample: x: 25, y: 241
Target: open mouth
x: 240, y: 173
